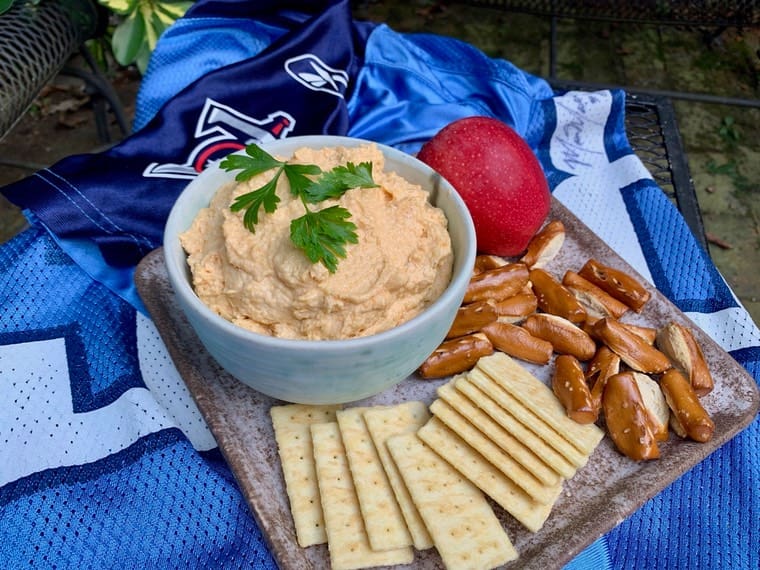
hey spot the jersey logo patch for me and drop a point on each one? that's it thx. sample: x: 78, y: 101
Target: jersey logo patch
x: 222, y: 130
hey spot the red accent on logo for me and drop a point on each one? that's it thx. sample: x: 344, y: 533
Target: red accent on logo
x: 200, y: 162
x: 277, y: 128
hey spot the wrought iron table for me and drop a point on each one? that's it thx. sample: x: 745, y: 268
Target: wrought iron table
x: 652, y: 131
x: 711, y: 15
x: 37, y: 40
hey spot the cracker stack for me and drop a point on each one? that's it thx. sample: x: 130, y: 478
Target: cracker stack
x: 505, y: 431
x: 292, y: 432
x: 347, y: 538
x: 378, y: 482
x: 368, y: 517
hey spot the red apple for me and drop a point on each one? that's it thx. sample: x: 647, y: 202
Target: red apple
x: 499, y: 178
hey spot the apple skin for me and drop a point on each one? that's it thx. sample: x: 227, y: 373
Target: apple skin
x: 499, y: 178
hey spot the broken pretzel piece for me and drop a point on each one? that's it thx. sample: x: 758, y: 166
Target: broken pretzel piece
x: 456, y: 355
x: 516, y: 308
x: 569, y: 385
x: 679, y: 344
x: 497, y: 284
x: 597, y: 302
x: 471, y: 318
x: 544, y: 246
x: 619, y: 284
x: 555, y: 298
x: 655, y: 404
x: 518, y: 342
x: 604, y: 364
x: 627, y: 419
x: 689, y: 418
x: 566, y: 338
x: 631, y: 348
x: 485, y: 261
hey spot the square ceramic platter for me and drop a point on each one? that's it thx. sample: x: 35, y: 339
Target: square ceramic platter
x: 603, y: 493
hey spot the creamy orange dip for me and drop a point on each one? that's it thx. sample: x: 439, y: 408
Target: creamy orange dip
x: 262, y: 282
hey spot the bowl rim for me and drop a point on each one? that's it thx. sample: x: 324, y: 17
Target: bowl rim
x: 183, y: 287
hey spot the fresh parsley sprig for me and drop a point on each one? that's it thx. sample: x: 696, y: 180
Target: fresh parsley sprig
x: 334, y: 183
x: 321, y: 234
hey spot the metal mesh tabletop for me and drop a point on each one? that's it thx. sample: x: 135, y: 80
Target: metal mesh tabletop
x: 654, y: 136
x: 36, y: 40
x: 683, y: 12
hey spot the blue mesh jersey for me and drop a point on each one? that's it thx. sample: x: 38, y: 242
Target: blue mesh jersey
x: 106, y: 461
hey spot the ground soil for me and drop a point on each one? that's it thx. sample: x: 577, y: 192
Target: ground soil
x: 61, y: 122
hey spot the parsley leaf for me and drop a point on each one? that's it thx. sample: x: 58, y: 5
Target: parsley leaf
x: 297, y: 175
x: 257, y: 161
x: 321, y: 234
x: 251, y: 202
x: 336, y: 182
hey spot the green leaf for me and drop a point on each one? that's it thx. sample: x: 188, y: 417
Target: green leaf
x: 159, y: 25
x: 251, y: 202
x: 356, y: 176
x: 145, y: 21
x: 339, y: 180
x: 128, y: 38
x: 151, y: 32
x: 122, y: 7
x: 143, y: 58
x: 254, y: 162
x: 5, y: 5
x: 322, y: 235
x: 298, y: 176
x: 172, y: 10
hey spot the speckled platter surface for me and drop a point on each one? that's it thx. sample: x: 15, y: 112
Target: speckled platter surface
x: 608, y: 489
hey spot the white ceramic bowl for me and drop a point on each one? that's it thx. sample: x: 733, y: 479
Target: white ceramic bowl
x: 329, y: 371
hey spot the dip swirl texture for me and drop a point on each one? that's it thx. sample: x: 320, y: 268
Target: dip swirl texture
x: 262, y: 282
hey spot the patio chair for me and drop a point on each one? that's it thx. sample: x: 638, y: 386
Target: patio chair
x: 37, y: 42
